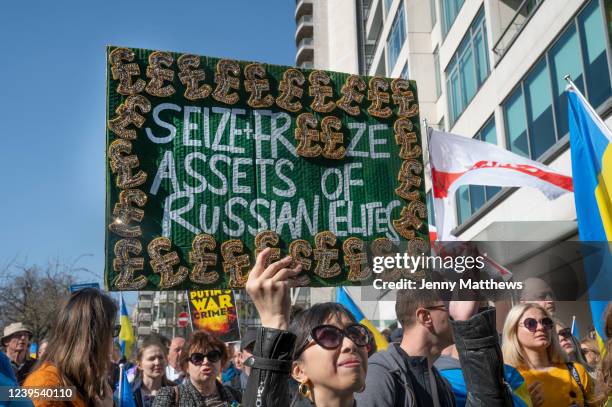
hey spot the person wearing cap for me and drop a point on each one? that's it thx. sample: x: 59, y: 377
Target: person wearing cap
x: 247, y: 343
x: 16, y: 342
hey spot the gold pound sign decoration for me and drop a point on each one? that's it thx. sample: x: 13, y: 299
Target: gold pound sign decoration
x: 377, y: 94
x: 300, y: 251
x: 406, y: 139
x: 122, y: 164
x: 126, y: 265
x: 410, y: 219
x: 307, y: 135
x: 319, y: 91
x: 289, y: 88
x: 127, y: 113
x: 266, y: 239
x: 408, y: 179
x: 403, y: 98
x: 256, y: 84
x: 357, y: 259
x: 226, y: 82
x: 124, y: 213
x: 351, y: 92
x: 333, y: 148
x: 164, y: 264
x: 191, y: 77
x: 158, y: 74
x: 235, y: 263
x: 124, y: 72
x: 324, y: 255
x: 202, y: 256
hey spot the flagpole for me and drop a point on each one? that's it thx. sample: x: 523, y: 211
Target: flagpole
x: 573, y: 324
x: 120, y: 398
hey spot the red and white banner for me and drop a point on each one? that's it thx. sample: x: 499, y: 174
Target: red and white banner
x: 456, y: 161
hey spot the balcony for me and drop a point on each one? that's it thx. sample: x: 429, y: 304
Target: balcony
x: 302, y: 7
x: 304, y: 28
x: 513, y: 28
x: 144, y: 330
x: 305, y: 52
x: 144, y: 317
x: 144, y: 304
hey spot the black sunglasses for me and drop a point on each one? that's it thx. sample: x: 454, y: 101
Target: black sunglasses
x: 330, y: 337
x: 532, y: 324
x: 197, y: 358
x: 116, y: 330
x: 565, y: 333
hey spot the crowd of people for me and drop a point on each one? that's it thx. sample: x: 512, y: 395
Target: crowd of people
x: 448, y: 353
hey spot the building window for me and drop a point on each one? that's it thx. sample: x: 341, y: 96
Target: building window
x: 431, y: 215
x: 433, y: 11
x: 388, y: 4
x: 396, y: 39
x: 468, y: 68
x: 535, y: 113
x: 437, y: 73
x: 450, y: 10
x: 404, y: 74
x: 470, y: 198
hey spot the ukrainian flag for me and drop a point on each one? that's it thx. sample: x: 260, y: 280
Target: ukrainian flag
x: 126, y: 334
x: 591, y: 152
x: 343, y: 298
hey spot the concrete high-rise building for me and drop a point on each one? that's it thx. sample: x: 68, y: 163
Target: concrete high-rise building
x: 488, y: 69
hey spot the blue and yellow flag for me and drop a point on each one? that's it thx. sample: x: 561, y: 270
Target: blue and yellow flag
x: 126, y: 334
x: 591, y: 151
x: 343, y: 298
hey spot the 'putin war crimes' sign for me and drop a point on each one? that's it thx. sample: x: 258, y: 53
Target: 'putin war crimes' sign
x: 209, y: 161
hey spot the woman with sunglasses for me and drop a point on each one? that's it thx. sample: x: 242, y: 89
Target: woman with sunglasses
x: 570, y: 345
x: 79, y: 351
x: 201, y: 359
x: 324, y: 349
x: 531, y: 346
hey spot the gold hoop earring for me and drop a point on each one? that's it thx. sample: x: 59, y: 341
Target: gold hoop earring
x: 304, y: 390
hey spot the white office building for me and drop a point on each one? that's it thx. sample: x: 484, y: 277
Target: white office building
x: 489, y: 69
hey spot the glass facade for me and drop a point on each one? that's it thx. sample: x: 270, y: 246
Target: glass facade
x: 450, y: 10
x: 470, y: 198
x: 468, y: 68
x: 431, y: 215
x: 535, y: 113
x: 388, y: 7
x: 404, y: 74
x: 433, y: 11
x: 396, y: 39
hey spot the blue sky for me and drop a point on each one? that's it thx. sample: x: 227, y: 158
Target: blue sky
x: 52, y: 104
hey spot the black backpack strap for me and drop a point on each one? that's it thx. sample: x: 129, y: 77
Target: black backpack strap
x: 275, y: 365
x: 576, y: 376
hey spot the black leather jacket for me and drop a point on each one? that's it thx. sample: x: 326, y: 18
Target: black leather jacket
x: 479, y: 352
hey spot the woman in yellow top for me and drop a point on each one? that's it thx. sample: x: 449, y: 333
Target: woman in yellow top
x: 530, y: 345
x: 78, y: 354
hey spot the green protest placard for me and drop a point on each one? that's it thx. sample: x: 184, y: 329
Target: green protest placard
x: 211, y: 160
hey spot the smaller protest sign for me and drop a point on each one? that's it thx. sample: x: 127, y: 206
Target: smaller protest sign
x: 215, y: 311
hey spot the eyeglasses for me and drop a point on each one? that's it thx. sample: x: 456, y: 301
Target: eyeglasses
x: 532, y: 324
x: 330, y: 337
x: 437, y: 307
x: 565, y: 333
x: 116, y: 330
x: 197, y: 358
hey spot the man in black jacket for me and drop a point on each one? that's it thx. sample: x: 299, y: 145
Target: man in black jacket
x: 404, y: 375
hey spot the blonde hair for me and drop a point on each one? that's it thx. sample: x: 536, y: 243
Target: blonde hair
x: 514, y: 355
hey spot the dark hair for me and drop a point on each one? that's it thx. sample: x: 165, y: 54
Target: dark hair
x: 318, y: 314
x: 204, y: 342
x: 408, y: 301
x: 81, y: 341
